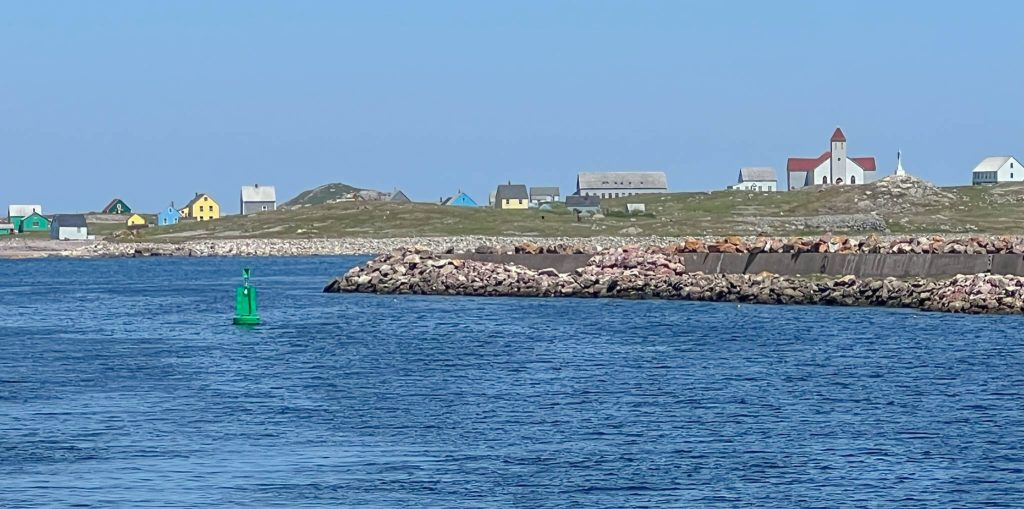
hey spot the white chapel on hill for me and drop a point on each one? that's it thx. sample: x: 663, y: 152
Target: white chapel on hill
x: 831, y: 167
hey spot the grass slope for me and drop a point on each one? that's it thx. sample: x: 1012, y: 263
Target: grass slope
x: 324, y: 194
x: 907, y: 206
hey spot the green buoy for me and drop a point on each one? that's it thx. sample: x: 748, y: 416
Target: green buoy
x: 245, y: 302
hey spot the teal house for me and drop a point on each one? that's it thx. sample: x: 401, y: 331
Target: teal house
x: 17, y: 213
x: 34, y: 222
x: 168, y: 217
x: 117, y: 206
x: 459, y: 199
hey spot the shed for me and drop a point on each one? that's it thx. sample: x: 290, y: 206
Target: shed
x: 117, y: 206
x: 135, y: 220
x: 69, y: 227
x: 6, y: 229
x: 583, y: 204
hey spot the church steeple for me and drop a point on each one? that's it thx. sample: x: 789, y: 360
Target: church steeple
x: 839, y: 158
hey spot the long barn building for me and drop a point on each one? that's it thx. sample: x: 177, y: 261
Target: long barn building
x: 616, y: 184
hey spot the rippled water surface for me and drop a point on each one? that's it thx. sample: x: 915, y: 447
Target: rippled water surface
x: 122, y: 383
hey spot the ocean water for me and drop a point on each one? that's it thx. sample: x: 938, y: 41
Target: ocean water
x: 123, y: 384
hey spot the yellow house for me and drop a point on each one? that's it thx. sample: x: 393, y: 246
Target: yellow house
x: 201, y: 208
x: 136, y: 219
x: 511, y: 196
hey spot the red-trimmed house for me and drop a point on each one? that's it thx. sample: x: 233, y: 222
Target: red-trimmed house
x: 831, y: 167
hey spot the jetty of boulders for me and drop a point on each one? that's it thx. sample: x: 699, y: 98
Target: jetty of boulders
x: 659, y: 272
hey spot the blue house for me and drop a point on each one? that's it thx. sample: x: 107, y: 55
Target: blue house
x: 167, y: 217
x: 460, y: 199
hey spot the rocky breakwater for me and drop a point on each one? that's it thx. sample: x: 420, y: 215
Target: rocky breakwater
x: 641, y: 273
x: 615, y: 273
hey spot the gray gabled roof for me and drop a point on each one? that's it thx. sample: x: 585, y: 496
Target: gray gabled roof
x: 69, y: 221
x: 622, y: 180
x: 758, y: 173
x: 399, y: 197
x: 511, y: 192
x: 992, y: 163
x: 259, y: 193
x: 575, y: 200
x: 544, y: 191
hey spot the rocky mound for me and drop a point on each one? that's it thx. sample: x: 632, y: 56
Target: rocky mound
x: 892, y: 194
x: 332, y: 193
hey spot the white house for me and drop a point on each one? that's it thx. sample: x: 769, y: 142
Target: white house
x: 992, y: 170
x: 757, y: 178
x: 257, y: 198
x: 831, y: 167
x: 616, y: 184
x: 540, y: 195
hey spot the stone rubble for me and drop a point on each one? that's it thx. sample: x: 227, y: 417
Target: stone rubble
x: 826, y: 243
x: 653, y: 272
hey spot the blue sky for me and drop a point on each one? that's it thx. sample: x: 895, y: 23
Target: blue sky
x: 151, y: 101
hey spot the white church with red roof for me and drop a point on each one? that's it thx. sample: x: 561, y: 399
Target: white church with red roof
x: 831, y: 167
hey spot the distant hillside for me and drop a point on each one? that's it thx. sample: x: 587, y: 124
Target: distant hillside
x: 332, y: 193
x: 898, y: 205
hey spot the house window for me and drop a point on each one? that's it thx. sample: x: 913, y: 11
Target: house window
x: 824, y: 179
x: 201, y: 208
x: 853, y: 179
x: 520, y: 201
x: 265, y: 207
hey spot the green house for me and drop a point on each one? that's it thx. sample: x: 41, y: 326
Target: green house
x: 17, y: 213
x: 35, y: 222
x: 117, y: 206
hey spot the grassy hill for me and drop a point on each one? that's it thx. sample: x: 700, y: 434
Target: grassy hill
x: 896, y: 205
x: 327, y: 193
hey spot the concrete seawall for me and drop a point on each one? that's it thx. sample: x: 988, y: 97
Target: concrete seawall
x: 797, y: 264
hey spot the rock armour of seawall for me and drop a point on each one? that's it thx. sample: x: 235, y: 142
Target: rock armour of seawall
x: 659, y: 273
x: 526, y: 245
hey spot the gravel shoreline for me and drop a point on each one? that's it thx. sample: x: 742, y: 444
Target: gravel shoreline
x: 37, y: 248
